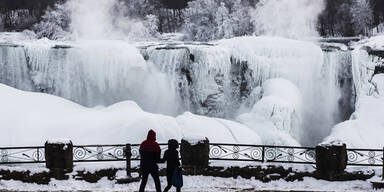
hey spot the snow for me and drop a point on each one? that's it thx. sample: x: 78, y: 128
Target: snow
x: 59, y: 141
x: 194, y: 183
x: 40, y: 117
x: 33, y: 169
x: 332, y: 143
x: 334, y: 46
x: 375, y: 43
x: 366, y: 127
x: 194, y: 139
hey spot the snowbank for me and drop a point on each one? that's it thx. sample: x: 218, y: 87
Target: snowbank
x: 366, y: 127
x: 32, y: 118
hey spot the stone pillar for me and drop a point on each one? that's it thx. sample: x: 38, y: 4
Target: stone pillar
x: 195, y: 151
x: 59, y: 157
x: 128, y: 155
x: 331, y: 160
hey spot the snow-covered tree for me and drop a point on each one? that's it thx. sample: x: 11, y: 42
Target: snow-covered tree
x: 151, y: 22
x: 200, y: 20
x: 223, y: 22
x: 55, y: 22
x: 240, y: 19
x: 361, y: 16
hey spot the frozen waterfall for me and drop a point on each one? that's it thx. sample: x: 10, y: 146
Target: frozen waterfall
x: 224, y: 79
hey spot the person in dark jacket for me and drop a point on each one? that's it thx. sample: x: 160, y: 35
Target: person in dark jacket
x: 171, y: 156
x: 149, y: 157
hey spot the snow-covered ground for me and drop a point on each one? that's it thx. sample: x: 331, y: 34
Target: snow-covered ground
x: 195, y: 184
x: 191, y: 183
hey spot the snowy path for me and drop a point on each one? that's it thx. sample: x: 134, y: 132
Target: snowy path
x: 195, y: 184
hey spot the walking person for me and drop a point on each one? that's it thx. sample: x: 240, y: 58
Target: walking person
x: 149, y: 157
x: 171, y: 156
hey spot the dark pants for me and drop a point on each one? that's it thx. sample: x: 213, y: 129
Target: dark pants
x: 169, y: 180
x: 155, y: 176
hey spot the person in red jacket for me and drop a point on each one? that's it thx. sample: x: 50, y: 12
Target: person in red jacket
x: 149, y: 157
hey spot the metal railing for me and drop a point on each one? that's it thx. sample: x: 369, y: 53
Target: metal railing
x: 135, y: 151
x: 94, y: 153
x: 218, y: 151
x: 13, y: 155
x: 262, y: 153
x: 365, y: 157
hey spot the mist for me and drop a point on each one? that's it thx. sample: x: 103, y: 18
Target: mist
x: 295, y: 19
x: 106, y: 20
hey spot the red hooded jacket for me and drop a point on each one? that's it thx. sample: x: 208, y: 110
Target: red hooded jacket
x: 149, y: 153
x: 150, y: 144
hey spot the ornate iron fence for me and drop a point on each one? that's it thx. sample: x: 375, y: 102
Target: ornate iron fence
x: 92, y: 153
x: 365, y: 157
x: 218, y: 151
x: 13, y: 155
x: 135, y: 151
x: 262, y: 153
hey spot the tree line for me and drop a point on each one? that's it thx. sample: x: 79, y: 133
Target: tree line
x: 208, y: 19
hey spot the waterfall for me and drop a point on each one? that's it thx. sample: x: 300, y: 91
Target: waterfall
x: 13, y: 69
x: 224, y: 79
x: 90, y: 73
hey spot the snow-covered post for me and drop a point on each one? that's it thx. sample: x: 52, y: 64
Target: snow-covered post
x: 195, y: 151
x: 128, y: 155
x: 59, y: 157
x: 331, y: 160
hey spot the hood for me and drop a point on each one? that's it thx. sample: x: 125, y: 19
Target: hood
x: 151, y: 135
x: 173, y: 144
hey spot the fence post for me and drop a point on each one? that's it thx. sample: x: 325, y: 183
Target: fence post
x: 262, y: 154
x: 128, y: 156
x: 38, y: 154
x: 331, y: 160
x: 59, y: 157
x: 382, y: 175
x: 195, y: 152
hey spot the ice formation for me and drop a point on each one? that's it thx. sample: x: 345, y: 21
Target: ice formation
x: 366, y: 126
x: 276, y: 116
x: 224, y: 79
